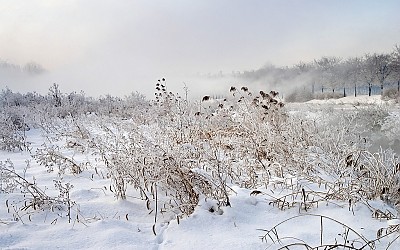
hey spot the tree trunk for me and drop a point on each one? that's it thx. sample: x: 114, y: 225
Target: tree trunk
x: 369, y: 89
x: 355, y: 90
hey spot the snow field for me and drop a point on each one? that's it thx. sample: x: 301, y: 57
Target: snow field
x: 291, y: 209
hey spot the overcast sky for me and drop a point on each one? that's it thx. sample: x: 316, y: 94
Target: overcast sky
x: 117, y: 47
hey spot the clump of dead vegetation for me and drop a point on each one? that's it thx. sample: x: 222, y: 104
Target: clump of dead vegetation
x: 172, y: 152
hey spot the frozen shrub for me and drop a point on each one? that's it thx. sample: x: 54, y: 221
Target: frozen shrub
x: 32, y: 197
x: 51, y: 157
x: 391, y: 130
x: 391, y: 94
x: 12, y: 131
x: 299, y: 95
x: 148, y: 167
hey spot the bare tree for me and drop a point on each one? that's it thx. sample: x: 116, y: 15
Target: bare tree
x: 396, y: 65
x: 383, y: 67
x: 352, y: 72
x: 368, y: 71
x: 326, y: 67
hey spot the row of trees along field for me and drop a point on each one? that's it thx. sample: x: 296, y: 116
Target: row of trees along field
x: 369, y: 74
x: 31, y: 67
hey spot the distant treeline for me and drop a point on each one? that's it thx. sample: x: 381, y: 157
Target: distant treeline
x: 370, y: 74
x: 29, y: 68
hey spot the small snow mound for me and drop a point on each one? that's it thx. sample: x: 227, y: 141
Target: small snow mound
x: 212, y: 207
x: 251, y: 200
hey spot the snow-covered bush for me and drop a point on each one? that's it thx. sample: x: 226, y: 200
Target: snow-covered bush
x: 12, y: 131
x: 51, y: 157
x: 246, y: 139
x: 390, y: 93
x: 193, y: 149
x: 391, y: 130
x: 299, y: 95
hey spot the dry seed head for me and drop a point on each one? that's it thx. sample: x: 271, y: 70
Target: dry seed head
x: 274, y: 93
x: 397, y: 167
x: 274, y: 101
x: 206, y: 98
x: 255, y: 192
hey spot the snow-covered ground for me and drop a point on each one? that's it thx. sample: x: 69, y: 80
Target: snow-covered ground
x: 106, y: 223
x: 359, y: 100
x: 100, y: 221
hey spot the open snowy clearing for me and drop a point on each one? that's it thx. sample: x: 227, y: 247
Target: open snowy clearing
x: 289, y: 210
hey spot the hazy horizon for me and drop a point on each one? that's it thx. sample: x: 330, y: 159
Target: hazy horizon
x: 119, y: 47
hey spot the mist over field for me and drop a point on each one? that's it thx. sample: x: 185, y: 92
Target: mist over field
x: 123, y: 47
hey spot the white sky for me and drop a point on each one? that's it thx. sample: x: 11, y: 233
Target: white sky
x: 116, y: 47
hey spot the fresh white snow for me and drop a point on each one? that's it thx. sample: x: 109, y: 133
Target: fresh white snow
x: 100, y: 221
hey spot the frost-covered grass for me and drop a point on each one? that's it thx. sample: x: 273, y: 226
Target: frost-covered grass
x: 247, y: 172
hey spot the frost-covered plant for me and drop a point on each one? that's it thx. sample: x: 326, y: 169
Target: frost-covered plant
x: 134, y: 160
x: 13, y: 131
x: 24, y: 197
x: 50, y: 157
x: 391, y: 130
x: 330, y: 148
x: 390, y: 93
x: 188, y: 153
x: 300, y: 95
x: 333, y: 234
